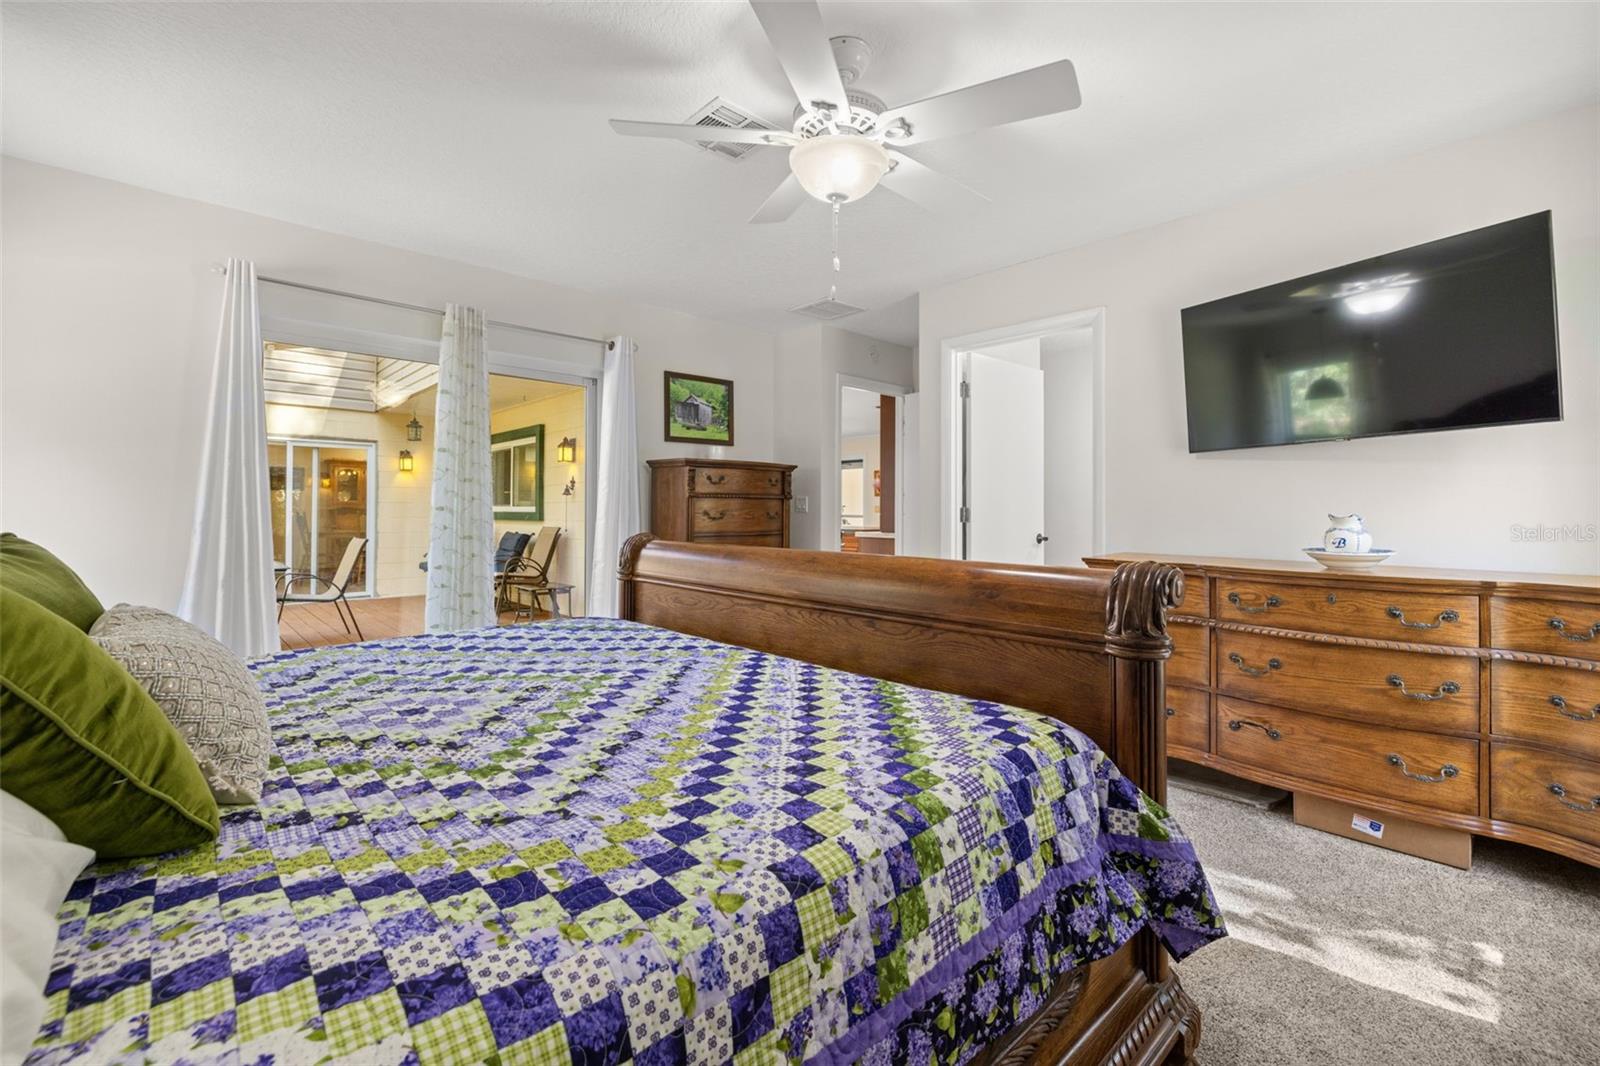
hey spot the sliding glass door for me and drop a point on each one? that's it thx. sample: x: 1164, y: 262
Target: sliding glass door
x: 323, y: 494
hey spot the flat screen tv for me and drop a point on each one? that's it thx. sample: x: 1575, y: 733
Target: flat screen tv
x: 1451, y: 334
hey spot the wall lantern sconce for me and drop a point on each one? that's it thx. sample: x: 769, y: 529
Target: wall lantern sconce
x: 567, y: 450
x: 407, y: 464
x: 413, y: 428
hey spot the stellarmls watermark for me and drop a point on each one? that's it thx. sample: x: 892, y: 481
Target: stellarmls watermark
x: 1539, y: 533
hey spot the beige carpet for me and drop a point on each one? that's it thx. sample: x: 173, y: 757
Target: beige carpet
x: 1345, y: 953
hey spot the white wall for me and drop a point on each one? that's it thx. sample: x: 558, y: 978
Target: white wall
x: 1023, y: 353
x: 806, y: 419
x: 111, y: 308
x: 1446, y: 499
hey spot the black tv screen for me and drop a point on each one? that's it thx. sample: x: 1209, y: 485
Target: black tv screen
x: 1450, y: 334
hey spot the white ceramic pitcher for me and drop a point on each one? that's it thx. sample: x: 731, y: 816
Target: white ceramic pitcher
x: 1347, y: 534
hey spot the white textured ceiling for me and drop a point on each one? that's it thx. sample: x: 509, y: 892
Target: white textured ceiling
x: 478, y: 132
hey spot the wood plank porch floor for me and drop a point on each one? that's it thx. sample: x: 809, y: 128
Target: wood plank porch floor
x: 315, y: 625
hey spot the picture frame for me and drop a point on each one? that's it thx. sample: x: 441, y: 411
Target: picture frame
x: 697, y: 409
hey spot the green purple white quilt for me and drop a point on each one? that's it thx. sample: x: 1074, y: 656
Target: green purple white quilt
x: 591, y: 841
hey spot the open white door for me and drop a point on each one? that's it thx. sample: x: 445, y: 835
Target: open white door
x: 1004, y: 460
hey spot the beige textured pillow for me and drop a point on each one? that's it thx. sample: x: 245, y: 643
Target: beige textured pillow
x: 206, y: 691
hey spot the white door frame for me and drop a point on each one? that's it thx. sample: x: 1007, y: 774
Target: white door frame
x: 828, y: 491
x: 950, y: 350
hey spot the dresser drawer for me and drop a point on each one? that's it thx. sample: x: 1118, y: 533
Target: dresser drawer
x: 1191, y: 655
x: 1422, y: 768
x: 1349, y: 611
x: 1553, y: 626
x: 1196, y: 601
x: 1548, y: 703
x: 1411, y: 689
x: 733, y: 481
x: 1188, y: 720
x: 724, y: 516
x: 1546, y: 790
x: 748, y: 540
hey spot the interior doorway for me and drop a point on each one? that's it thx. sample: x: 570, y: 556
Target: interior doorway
x: 868, y: 462
x: 1025, y: 446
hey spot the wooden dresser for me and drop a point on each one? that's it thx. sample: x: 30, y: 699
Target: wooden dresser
x: 1458, y: 698
x: 722, y: 502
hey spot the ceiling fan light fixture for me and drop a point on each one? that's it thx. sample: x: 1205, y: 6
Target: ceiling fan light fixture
x: 838, y: 168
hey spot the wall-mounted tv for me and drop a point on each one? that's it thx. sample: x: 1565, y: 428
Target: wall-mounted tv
x: 1451, y: 334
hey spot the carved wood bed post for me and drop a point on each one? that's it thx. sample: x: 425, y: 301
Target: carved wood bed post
x: 627, y: 600
x: 1137, y: 603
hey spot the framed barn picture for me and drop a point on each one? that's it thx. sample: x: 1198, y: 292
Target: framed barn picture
x: 698, y: 410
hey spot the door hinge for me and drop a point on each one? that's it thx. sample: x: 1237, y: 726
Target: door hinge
x: 966, y: 390
x: 966, y: 515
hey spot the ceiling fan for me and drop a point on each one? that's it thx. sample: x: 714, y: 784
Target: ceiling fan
x: 844, y: 142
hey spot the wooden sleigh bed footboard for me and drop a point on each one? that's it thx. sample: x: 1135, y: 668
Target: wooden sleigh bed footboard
x: 1086, y: 647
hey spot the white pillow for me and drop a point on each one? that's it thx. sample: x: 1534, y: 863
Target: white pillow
x: 37, y: 867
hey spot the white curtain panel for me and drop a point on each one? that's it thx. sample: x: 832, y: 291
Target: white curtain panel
x: 461, y: 530
x: 228, y: 588
x: 617, y: 488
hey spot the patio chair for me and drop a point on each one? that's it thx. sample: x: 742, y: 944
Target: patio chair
x: 333, y: 592
x: 530, y: 570
x: 511, y: 545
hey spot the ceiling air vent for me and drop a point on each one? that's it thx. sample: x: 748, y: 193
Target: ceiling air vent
x: 722, y: 114
x: 827, y: 310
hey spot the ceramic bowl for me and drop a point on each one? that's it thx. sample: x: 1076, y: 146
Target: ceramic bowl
x: 1349, y: 560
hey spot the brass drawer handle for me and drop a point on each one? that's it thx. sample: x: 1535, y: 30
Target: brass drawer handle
x: 1271, y: 602
x: 715, y: 479
x: 1237, y: 724
x: 773, y: 480
x: 1254, y: 671
x: 774, y: 515
x: 1446, y: 772
x: 1561, y: 794
x: 1449, y: 688
x: 1444, y: 616
x: 709, y: 517
x: 1560, y: 626
x: 1560, y: 704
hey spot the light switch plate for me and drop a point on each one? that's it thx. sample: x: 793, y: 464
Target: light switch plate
x: 802, y: 505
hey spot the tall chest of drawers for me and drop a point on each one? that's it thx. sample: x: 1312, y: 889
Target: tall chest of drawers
x: 1459, y: 698
x: 724, y: 502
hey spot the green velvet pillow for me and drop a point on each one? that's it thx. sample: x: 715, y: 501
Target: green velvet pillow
x: 29, y: 569
x: 81, y: 742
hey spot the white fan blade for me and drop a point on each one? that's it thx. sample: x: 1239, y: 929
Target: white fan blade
x: 795, y: 29
x: 784, y: 201
x: 929, y: 189
x: 682, y: 132
x: 1043, y: 90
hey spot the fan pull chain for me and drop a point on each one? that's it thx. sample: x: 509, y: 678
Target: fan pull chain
x: 833, y: 290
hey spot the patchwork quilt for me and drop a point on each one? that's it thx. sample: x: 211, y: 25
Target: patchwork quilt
x: 590, y: 841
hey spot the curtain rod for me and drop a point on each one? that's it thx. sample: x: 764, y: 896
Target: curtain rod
x: 419, y: 307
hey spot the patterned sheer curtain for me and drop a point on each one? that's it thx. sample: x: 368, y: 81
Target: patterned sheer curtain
x: 461, y: 531
x: 228, y: 584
